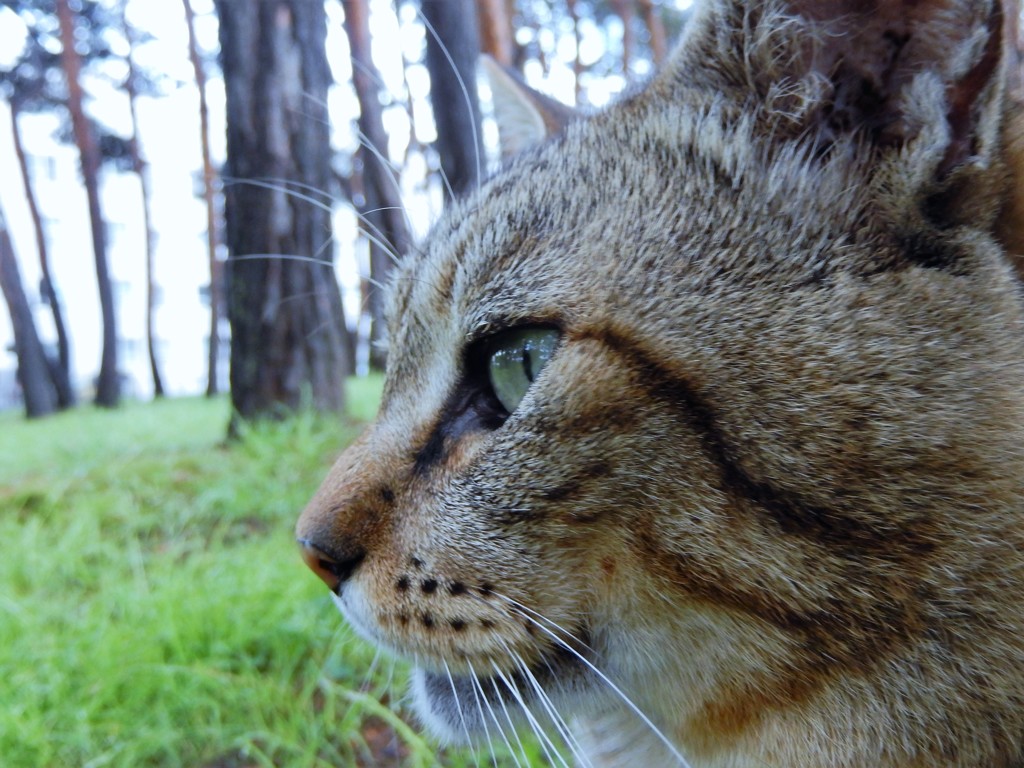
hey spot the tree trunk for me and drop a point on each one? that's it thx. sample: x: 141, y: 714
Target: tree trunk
x: 453, y: 48
x: 34, y: 373
x: 209, y: 180
x: 519, y: 52
x: 141, y: 169
x: 624, y: 10
x: 655, y: 30
x: 62, y: 369
x: 577, y: 64
x: 108, y: 385
x: 496, y: 36
x: 284, y: 303
x: 382, y: 216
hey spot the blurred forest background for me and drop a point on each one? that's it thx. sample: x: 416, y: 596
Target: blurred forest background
x: 317, y: 142
x: 199, y: 202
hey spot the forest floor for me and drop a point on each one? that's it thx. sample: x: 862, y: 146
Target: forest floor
x: 154, y: 610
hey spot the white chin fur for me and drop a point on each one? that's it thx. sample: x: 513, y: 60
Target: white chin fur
x: 438, y: 725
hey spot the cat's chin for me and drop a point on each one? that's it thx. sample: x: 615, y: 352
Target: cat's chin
x: 462, y: 707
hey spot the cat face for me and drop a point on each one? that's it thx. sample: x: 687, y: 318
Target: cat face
x: 711, y: 402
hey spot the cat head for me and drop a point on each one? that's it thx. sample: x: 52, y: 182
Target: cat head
x: 717, y: 392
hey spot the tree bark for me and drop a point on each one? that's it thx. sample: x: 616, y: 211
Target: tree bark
x: 141, y: 169
x: 108, y: 385
x: 382, y: 216
x: 284, y: 303
x: 655, y: 30
x: 62, y: 368
x: 577, y: 64
x: 453, y: 48
x: 34, y: 373
x: 496, y: 36
x: 624, y: 10
x: 209, y: 183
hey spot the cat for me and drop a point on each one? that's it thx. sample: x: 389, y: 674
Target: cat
x: 702, y: 434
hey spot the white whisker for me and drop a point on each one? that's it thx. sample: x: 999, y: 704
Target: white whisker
x: 462, y: 717
x: 536, y: 618
x: 324, y: 246
x: 444, y: 180
x: 282, y: 257
x: 462, y: 86
x: 392, y: 172
x: 376, y: 236
x: 483, y: 719
x: 620, y: 693
x: 280, y: 187
x: 494, y: 718
x: 371, y: 72
x: 556, y: 719
x: 551, y: 752
x: 515, y: 731
x: 279, y: 182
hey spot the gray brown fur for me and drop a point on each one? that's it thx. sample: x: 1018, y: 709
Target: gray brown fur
x: 774, y: 475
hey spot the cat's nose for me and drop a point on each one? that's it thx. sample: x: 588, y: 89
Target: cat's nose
x: 334, y: 567
x: 348, y: 517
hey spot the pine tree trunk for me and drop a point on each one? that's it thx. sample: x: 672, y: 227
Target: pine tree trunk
x: 577, y: 64
x: 624, y: 10
x: 209, y: 178
x: 382, y: 217
x: 62, y: 369
x: 34, y: 374
x: 141, y: 169
x: 452, y: 50
x: 284, y: 303
x: 496, y: 36
x: 655, y: 30
x: 108, y: 385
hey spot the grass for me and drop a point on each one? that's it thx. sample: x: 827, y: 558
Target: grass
x: 153, y: 609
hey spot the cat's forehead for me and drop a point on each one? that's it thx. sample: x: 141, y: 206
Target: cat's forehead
x: 687, y: 195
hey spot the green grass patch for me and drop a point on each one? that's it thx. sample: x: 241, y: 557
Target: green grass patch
x: 153, y: 608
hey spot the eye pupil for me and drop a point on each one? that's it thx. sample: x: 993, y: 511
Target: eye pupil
x: 527, y: 363
x: 516, y: 358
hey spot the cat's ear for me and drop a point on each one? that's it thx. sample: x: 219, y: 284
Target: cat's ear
x: 900, y: 67
x: 1010, y: 222
x: 525, y: 117
x: 922, y: 76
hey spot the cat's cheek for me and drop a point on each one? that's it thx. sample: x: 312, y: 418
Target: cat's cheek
x: 373, y: 621
x: 353, y: 607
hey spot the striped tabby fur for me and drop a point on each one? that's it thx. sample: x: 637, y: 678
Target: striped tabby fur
x: 771, y: 482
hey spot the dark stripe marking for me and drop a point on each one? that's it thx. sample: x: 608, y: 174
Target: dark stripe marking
x: 793, y: 515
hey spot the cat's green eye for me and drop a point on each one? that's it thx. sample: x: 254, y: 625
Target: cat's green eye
x: 516, y: 359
